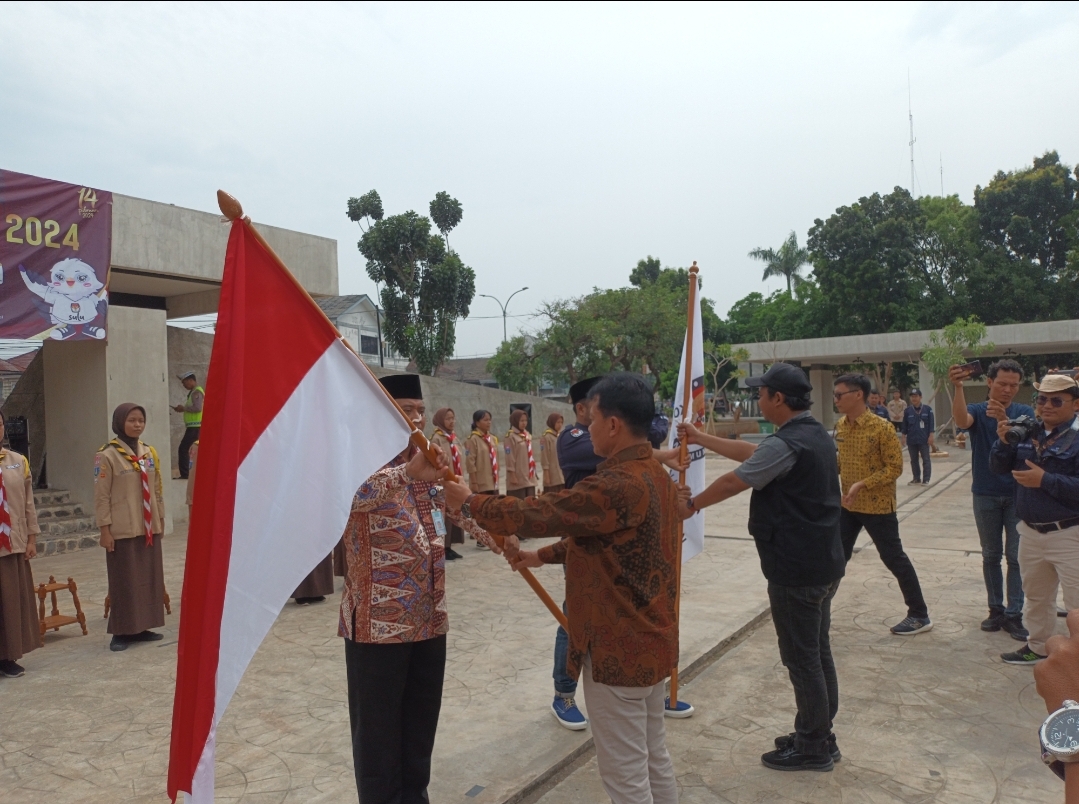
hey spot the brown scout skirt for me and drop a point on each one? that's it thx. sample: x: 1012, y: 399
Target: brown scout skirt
x: 523, y: 494
x: 136, y: 586
x: 319, y: 582
x: 553, y: 488
x: 20, y: 629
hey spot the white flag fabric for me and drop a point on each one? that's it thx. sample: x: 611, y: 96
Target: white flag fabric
x: 693, y: 528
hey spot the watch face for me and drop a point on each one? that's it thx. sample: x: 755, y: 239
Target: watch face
x: 1062, y: 731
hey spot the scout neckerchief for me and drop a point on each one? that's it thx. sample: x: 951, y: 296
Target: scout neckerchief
x: 527, y: 436
x: 491, y: 449
x: 140, y: 465
x: 455, y: 454
x: 5, y: 515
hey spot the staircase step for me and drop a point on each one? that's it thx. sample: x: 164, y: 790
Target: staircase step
x: 51, y: 497
x: 61, y: 511
x: 68, y: 526
x: 53, y: 545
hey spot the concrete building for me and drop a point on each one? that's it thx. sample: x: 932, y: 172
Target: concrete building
x: 167, y: 262
x: 360, y: 322
x: 820, y: 356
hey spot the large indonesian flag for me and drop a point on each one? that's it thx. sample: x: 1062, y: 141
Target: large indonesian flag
x: 293, y: 425
x: 692, y: 410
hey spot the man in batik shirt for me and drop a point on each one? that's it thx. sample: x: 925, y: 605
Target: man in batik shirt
x: 393, y: 616
x: 618, y: 533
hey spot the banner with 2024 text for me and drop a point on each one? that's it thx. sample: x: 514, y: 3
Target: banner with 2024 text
x: 55, y: 251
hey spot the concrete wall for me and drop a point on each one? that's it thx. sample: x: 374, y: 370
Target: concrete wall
x: 164, y: 239
x: 27, y: 399
x: 85, y: 381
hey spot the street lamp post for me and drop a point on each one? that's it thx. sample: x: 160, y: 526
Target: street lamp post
x: 504, y: 307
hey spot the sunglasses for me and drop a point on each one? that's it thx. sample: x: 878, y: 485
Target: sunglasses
x: 841, y: 394
x: 1055, y: 401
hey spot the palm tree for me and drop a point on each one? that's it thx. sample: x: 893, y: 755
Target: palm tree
x: 788, y: 261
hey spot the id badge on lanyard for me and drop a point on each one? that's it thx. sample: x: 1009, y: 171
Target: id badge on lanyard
x: 440, y: 522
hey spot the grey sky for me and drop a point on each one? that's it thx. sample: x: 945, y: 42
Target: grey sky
x: 578, y: 138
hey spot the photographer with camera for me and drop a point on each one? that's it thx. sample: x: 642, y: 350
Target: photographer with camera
x: 1044, y: 460
x: 994, y: 495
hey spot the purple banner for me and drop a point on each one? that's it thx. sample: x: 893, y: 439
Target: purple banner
x: 55, y: 251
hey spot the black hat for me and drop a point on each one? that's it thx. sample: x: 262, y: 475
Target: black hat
x: 578, y: 392
x: 403, y: 386
x: 785, y: 378
x: 915, y: 392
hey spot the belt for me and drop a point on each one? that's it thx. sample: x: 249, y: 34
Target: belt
x: 1050, y: 527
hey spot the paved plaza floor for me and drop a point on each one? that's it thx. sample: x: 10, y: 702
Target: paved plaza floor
x: 933, y: 718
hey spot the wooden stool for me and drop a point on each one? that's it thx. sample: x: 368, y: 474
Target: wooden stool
x: 57, y: 619
x: 108, y: 603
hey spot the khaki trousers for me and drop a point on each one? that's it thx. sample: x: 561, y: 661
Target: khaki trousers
x: 631, y: 743
x: 1046, y: 561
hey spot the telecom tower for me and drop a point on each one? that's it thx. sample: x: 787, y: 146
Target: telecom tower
x: 910, y: 116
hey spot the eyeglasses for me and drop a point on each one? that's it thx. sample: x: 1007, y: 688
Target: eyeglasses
x: 841, y: 394
x: 1055, y: 401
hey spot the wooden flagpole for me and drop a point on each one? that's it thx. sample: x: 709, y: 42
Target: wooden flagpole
x: 232, y: 210
x: 687, y: 407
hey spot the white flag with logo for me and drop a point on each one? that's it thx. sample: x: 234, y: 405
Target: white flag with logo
x: 693, y: 528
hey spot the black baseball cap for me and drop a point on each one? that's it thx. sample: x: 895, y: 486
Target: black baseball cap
x: 783, y: 377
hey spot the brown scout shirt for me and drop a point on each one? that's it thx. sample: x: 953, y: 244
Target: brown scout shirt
x: 619, y: 542
x: 118, y: 491
x: 19, y: 489
x: 517, y: 462
x: 478, y: 463
x: 548, y: 457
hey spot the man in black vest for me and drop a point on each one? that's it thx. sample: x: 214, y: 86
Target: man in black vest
x: 794, y: 520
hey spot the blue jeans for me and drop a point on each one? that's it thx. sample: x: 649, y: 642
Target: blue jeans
x: 999, y: 534
x: 564, y: 683
x: 915, y: 451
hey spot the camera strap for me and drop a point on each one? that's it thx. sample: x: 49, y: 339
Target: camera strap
x: 1040, y: 447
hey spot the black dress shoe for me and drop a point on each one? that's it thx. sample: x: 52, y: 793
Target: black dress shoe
x: 787, y: 741
x: 788, y: 759
x: 452, y: 555
x: 1014, y: 627
x: 118, y: 644
x: 993, y: 622
x: 147, y: 636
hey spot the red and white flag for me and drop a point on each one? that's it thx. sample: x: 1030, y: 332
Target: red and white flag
x: 293, y: 425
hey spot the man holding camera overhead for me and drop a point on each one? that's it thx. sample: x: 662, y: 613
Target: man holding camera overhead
x: 1043, y: 457
x: 994, y: 495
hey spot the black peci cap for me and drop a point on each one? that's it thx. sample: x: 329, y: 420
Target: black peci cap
x: 578, y: 392
x: 403, y: 386
x: 785, y: 378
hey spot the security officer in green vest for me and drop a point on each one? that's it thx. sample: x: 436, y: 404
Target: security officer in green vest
x: 192, y: 411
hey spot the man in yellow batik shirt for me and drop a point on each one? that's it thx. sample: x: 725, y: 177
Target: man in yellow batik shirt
x: 870, y: 461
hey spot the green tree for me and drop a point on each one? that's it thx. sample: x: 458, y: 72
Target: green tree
x: 721, y: 363
x: 427, y: 287
x: 648, y: 273
x: 516, y: 366
x: 787, y: 261
x: 446, y: 212
x: 948, y: 347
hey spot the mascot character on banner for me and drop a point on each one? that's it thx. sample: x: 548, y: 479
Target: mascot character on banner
x: 76, y: 299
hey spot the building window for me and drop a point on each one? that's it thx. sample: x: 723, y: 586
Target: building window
x: 368, y: 345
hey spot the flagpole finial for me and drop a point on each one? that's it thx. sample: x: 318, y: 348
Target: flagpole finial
x: 693, y: 269
x: 231, y: 208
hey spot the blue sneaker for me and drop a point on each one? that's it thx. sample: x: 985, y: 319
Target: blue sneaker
x: 911, y: 626
x: 566, y: 712
x: 680, y: 709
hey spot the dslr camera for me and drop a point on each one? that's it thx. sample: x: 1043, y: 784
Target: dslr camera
x: 1020, y: 429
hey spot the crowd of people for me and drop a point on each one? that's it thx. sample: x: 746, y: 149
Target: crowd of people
x: 606, y: 493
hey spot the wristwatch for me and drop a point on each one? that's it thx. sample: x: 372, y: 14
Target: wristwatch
x: 466, y: 509
x: 1059, y: 737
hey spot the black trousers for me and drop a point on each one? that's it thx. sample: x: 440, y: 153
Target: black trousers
x: 883, y: 529
x: 394, y: 697
x: 191, y: 435
x: 803, y: 616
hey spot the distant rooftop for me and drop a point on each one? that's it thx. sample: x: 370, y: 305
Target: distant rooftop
x: 334, y: 306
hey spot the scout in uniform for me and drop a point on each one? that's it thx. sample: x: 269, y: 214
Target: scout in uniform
x: 130, y: 510
x: 446, y: 440
x: 520, y: 460
x: 192, y: 410
x: 19, y: 628
x: 394, y: 616
x: 552, y: 471
x: 481, y: 457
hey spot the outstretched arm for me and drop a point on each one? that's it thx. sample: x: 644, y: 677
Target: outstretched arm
x: 732, y: 448
x: 36, y: 287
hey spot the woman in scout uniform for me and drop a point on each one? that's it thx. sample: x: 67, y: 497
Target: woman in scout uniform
x: 19, y: 627
x: 446, y: 440
x: 481, y: 457
x: 552, y: 472
x: 130, y: 509
x: 520, y: 460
